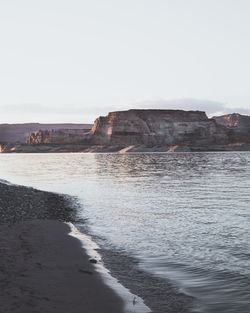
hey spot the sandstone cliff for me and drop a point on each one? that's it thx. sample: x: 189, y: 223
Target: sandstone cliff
x: 157, y: 127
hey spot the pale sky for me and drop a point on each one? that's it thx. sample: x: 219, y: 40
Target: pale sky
x: 73, y: 60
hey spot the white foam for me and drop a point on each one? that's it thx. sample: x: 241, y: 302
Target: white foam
x: 6, y: 182
x: 133, y: 303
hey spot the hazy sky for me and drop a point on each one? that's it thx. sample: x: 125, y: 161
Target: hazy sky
x: 70, y: 61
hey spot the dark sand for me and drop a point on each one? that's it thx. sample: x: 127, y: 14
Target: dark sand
x: 42, y: 268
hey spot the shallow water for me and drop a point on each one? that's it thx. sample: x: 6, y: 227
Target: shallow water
x: 185, y: 216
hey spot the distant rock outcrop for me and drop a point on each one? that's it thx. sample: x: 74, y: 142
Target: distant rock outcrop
x: 237, y: 124
x: 61, y: 136
x: 233, y: 120
x: 12, y: 133
x: 157, y: 127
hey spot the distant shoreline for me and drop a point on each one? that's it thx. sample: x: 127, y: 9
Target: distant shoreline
x: 68, y: 148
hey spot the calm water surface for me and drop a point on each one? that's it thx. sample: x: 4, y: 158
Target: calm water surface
x: 185, y: 216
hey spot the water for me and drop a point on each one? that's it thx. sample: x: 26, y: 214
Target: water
x: 184, y: 216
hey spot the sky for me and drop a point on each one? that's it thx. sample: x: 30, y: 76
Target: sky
x: 71, y: 61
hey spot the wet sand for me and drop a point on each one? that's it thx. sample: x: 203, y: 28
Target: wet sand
x: 42, y: 268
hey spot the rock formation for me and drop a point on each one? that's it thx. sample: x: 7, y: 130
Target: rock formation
x: 145, y: 131
x: 233, y: 120
x: 157, y: 127
x: 12, y: 133
x: 238, y: 126
x: 61, y: 136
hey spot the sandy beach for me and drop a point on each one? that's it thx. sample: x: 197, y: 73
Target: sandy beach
x: 42, y: 268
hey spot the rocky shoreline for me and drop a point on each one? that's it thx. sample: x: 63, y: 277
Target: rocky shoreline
x: 42, y: 268
x: 19, y: 203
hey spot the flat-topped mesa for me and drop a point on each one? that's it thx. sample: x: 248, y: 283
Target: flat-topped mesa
x: 157, y: 127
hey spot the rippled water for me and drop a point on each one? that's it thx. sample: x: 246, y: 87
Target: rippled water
x: 185, y: 216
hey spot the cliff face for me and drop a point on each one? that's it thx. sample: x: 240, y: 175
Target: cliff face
x: 237, y: 124
x: 157, y: 127
x: 61, y: 136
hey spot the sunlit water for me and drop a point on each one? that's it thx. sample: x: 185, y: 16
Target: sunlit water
x: 186, y: 216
